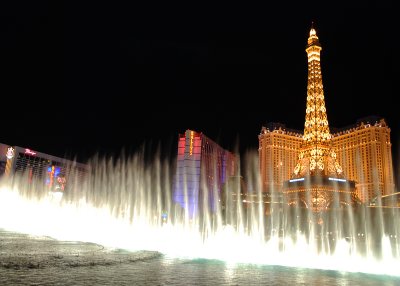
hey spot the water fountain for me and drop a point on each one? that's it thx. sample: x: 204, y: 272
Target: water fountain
x: 126, y: 203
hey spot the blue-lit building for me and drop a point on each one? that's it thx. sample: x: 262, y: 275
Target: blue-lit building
x: 202, y: 168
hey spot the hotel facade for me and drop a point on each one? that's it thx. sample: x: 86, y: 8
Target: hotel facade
x: 202, y: 168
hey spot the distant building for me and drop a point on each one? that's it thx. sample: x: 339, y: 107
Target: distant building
x: 202, y: 168
x: 51, y: 170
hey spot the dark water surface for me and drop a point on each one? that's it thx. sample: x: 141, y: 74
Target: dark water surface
x: 27, y: 260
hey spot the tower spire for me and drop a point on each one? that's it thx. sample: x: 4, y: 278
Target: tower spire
x: 316, y: 154
x: 312, y: 26
x: 316, y: 127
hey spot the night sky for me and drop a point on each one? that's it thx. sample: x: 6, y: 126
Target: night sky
x: 99, y: 77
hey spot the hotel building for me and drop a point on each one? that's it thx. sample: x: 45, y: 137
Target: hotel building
x: 363, y: 150
x: 51, y: 170
x: 202, y: 168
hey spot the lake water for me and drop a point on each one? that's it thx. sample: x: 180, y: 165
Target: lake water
x: 32, y: 260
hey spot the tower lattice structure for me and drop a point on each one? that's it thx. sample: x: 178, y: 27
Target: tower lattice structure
x: 316, y: 156
x: 318, y: 181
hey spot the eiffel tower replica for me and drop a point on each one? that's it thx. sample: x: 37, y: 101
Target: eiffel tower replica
x: 318, y: 182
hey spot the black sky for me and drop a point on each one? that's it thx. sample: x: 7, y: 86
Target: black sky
x: 99, y: 77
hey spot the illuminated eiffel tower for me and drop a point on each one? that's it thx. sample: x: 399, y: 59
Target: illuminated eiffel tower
x: 317, y: 181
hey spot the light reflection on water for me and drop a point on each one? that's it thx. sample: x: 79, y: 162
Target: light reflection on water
x: 27, y: 260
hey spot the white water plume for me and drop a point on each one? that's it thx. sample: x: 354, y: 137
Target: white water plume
x: 127, y: 203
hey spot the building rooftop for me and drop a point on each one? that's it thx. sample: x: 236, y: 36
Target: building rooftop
x: 372, y: 120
